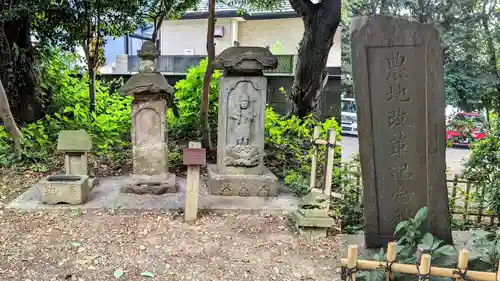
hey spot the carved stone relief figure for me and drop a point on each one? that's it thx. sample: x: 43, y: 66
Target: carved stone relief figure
x: 240, y: 151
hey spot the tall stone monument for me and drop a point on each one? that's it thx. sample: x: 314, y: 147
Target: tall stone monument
x: 240, y: 169
x: 150, y: 90
x: 399, y: 85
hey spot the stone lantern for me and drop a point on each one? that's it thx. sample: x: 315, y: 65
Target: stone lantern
x: 150, y: 91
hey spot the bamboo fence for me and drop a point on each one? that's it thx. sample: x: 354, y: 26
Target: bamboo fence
x: 465, y: 198
x: 423, y: 270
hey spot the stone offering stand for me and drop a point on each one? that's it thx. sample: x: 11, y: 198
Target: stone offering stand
x: 74, y: 186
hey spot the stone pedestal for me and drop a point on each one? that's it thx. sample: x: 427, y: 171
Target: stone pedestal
x: 149, y: 135
x: 311, y: 218
x: 240, y: 167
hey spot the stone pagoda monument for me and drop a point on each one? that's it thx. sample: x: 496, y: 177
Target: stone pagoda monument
x: 150, y: 91
x: 240, y: 169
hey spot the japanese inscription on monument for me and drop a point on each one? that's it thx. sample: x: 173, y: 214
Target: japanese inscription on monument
x: 398, y: 81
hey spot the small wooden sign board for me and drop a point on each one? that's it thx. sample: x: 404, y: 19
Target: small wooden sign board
x: 194, y: 156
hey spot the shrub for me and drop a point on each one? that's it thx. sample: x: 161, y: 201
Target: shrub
x: 188, y: 96
x: 483, y: 166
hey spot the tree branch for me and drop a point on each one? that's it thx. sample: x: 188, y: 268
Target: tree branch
x: 304, y: 8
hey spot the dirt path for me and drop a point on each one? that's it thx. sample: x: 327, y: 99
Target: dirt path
x: 92, y: 246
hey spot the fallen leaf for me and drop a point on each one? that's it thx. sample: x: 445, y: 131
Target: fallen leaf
x: 75, y: 244
x: 118, y: 273
x: 146, y: 274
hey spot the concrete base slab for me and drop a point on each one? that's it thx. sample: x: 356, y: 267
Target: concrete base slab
x: 265, y: 185
x: 106, y: 195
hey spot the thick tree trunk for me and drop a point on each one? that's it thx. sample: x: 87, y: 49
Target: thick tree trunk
x: 320, y: 23
x: 205, y: 127
x: 18, y: 73
x: 8, y: 119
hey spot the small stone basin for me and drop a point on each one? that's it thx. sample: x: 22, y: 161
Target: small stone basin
x: 68, y: 189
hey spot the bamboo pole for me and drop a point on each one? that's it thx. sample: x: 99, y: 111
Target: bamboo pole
x: 391, y: 258
x: 463, y: 260
x: 453, y: 193
x: 330, y: 152
x: 481, y: 203
x: 436, y: 271
x: 352, y: 260
x: 314, y: 158
x: 466, y: 203
x: 425, y: 266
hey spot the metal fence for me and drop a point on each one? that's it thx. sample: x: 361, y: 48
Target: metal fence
x: 181, y: 63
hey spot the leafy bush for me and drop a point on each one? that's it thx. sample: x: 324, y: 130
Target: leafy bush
x: 483, y: 166
x: 411, y: 236
x: 188, y: 96
x: 109, y: 126
x: 289, y: 148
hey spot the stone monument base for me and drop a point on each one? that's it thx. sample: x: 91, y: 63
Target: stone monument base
x: 152, y: 185
x: 265, y: 185
x: 313, y: 227
x: 69, y: 189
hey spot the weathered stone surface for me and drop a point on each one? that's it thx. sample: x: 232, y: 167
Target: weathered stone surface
x: 74, y: 141
x: 262, y: 185
x: 151, y: 187
x: 242, y: 112
x: 149, y: 135
x: 76, y: 163
x: 398, y: 80
x: 64, y: 189
x: 240, y: 167
x: 245, y: 60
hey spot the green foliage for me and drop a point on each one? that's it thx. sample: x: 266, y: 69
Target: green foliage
x: 483, y: 166
x: 188, y: 99
x: 411, y: 235
x: 289, y: 148
x: 351, y: 207
x: 485, y: 251
x: 109, y: 126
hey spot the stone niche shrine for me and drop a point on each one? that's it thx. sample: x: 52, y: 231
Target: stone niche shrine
x: 399, y: 84
x: 240, y: 169
x: 150, y: 91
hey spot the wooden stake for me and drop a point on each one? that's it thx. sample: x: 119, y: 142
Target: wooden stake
x: 352, y: 259
x: 463, y: 260
x: 330, y: 152
x: 314, y: 158
x: 391, y: 257
x: 193, y: 185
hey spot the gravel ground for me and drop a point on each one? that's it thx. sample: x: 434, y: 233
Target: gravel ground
x: 92, y: 246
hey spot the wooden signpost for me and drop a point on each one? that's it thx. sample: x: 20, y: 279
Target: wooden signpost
x: 193, y: 157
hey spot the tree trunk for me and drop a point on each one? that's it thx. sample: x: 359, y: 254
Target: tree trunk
x: 8, y: 120
x: 18, y: 71
x: 205, y: 126
x: 92, y: 88
x: 320, y: 23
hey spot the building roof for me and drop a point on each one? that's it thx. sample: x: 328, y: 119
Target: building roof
x: 225, y: 10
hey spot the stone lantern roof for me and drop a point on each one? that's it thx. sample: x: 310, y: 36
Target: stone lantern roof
x: 74, y: 141
x: 245, y: 60
x: 149, y: 81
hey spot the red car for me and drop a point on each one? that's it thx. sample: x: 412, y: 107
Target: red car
x: 465, y: 128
